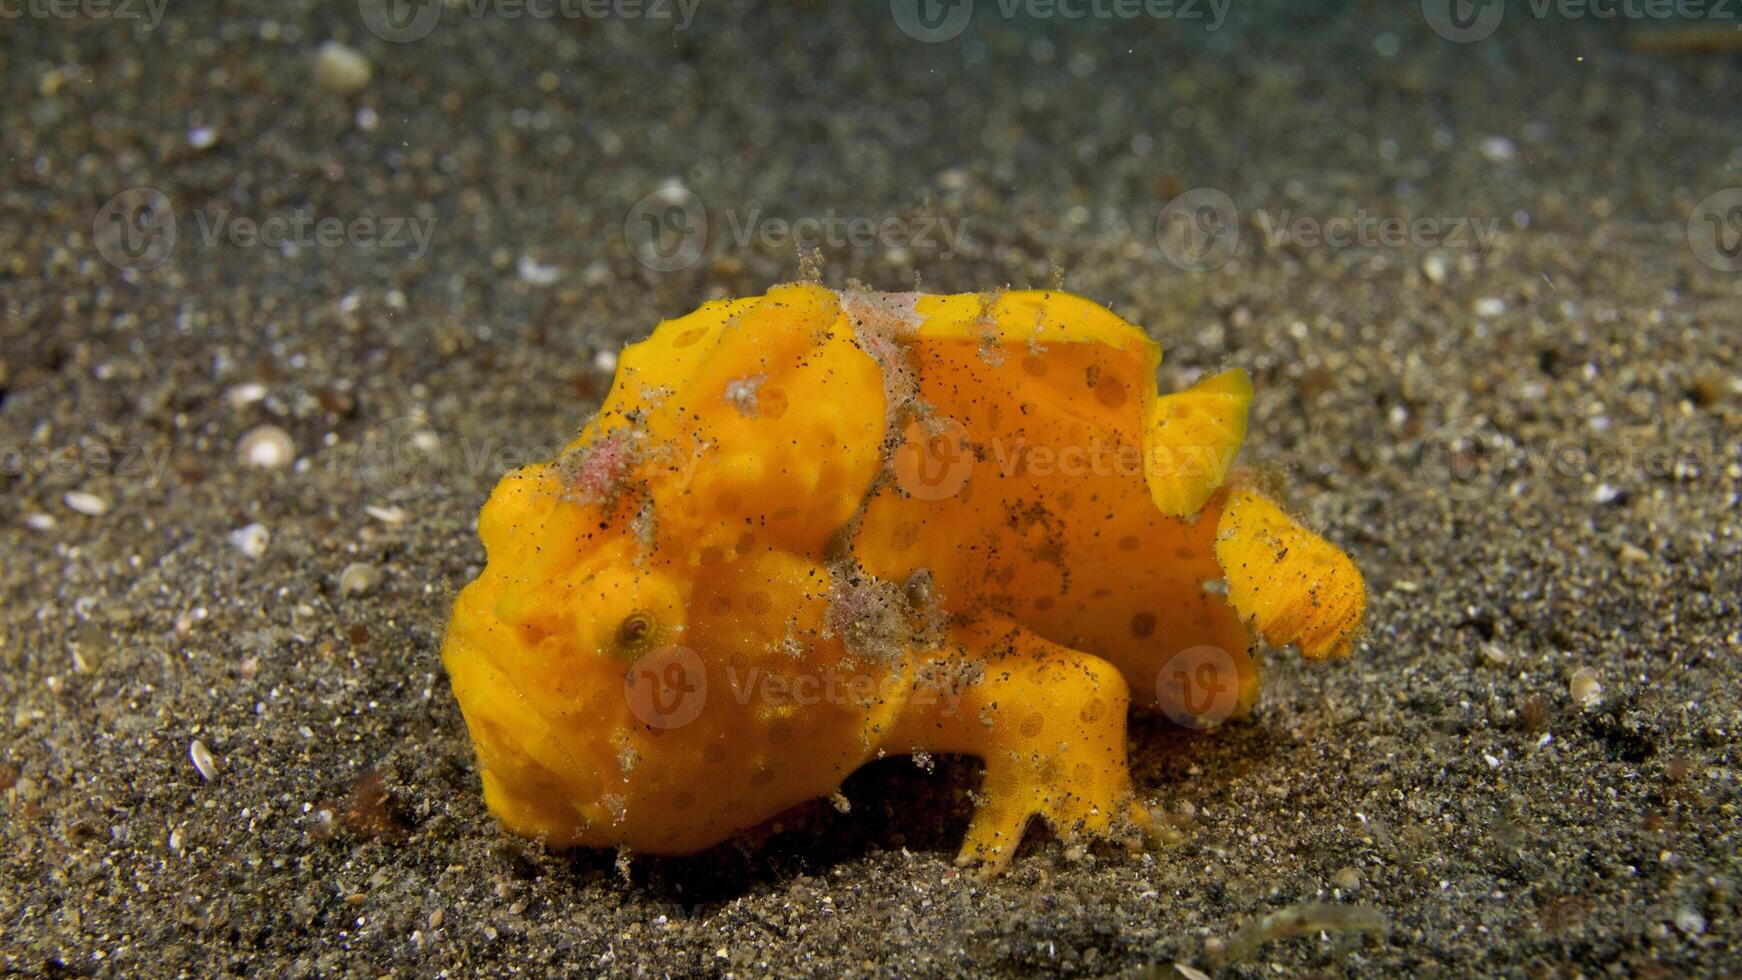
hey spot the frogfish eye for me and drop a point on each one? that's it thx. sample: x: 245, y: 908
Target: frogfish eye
x: 634, y: 632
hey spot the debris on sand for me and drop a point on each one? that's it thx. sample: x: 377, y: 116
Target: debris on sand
x: 342, y: 69
x: 1303, y: 919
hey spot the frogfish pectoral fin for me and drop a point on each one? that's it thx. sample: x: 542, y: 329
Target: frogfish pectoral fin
x: 1191, y: 438
x: 1287, y: 583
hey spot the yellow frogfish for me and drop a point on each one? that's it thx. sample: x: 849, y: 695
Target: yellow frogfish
x: 814, y: 528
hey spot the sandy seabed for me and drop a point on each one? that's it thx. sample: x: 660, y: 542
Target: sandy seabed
x: 1482, y: 288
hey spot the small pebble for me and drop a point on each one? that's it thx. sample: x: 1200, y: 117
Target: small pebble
x: 202, y: 137
x: 251, y: 540
x: 1499, y: 149
x: 1690, y: 922
x: 88, y: 504
x: 266, y: 447
x: 358, y: 578
x: 1434, y: 267
x: 39, y: 522
x: 245, y: 394
x: 341, y: 68
x: 1347, y: 878
x: 203, y: 761
x: 392, y: 515
x: 605, y: 360
x: 534, y: 274
x: 1489, y: 306
x: 1586, y: 690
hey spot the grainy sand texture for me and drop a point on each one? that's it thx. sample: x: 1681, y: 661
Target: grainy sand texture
x: 285, y: 288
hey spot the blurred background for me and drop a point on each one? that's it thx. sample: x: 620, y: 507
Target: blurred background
x: 285, y: 287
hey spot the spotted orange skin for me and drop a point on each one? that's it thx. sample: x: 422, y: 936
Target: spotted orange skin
x: 810, y: 529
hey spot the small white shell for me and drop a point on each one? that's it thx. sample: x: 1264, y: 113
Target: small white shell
x: 251, y: 540
x: 393, y: 515
x: 341, y: 68
x: 203, y: 761
x: 358, y: 578
x: 245, y: 394
x: 266, y: 447
x: 88, y: 504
